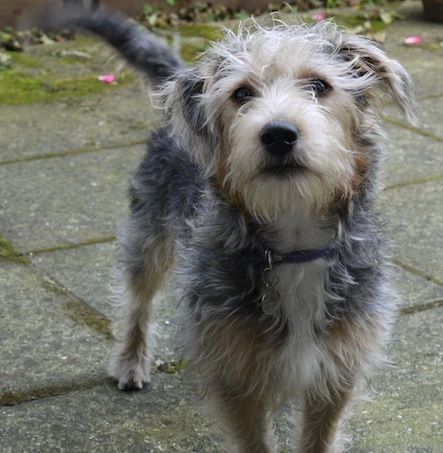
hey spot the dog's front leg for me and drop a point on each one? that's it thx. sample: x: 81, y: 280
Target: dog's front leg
x: 248, y: 421
x: 145, y: 258
x: 321, y: 422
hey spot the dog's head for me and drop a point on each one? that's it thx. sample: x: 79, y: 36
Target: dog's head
x: 282, y: 118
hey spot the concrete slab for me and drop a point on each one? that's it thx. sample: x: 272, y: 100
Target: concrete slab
x: 165, y: 418
x: 87, y: 273
x: 47, y: 346
x: 415, y: 290
x: 430, y: 119
x: 65, y: 200
x: 28, y: 131
x: 415, y: 217
x: 425, y: 63
x: 431, y: 116
x: 411, y: 157
x: 405, y: 415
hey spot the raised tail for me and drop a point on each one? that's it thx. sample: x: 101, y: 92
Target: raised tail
x: 136, y: 44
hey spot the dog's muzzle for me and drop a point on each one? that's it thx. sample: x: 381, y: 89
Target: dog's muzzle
x: 279, y: 138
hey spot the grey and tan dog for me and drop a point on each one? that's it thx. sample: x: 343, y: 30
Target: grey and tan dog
x: 259, y: 190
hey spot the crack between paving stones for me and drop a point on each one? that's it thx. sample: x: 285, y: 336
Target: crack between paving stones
x: 414, y: 182
x: 418, y: 99
x: 435, y: 303
x: 77, y: 245
x: 76, y: 307
x: 407, y: 126
x: 75, y: 152
x: 13, y: 398
x: 417, y: 272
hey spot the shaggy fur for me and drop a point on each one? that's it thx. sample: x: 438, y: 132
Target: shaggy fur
x: 212, y: 199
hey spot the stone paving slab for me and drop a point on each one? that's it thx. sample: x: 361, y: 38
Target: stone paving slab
x: 88, y: 122
x: 406, y: 413
x: 430, y: 117
x: 414, y: 290
x: 65, y: 200
x: 415, y: 217
x: 87, y: 272
x: 424, y: 63
x: 46, y: 346
x: 169, y: 417
x: 411, y: 156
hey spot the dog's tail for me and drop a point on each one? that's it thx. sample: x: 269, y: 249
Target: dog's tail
x: 136, y: 44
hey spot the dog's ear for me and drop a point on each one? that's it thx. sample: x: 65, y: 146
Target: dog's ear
x: 190, y: 90
x: 382, y: 73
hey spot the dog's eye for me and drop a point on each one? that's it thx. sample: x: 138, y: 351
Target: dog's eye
x: 242, y: 95
x: 319, y: 87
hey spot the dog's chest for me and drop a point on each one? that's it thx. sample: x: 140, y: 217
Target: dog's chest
x: 302, y: 298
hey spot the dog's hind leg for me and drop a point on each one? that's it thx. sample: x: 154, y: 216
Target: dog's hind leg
x: 146, y: 256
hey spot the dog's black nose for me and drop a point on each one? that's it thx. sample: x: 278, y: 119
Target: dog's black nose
x: 279, y: 137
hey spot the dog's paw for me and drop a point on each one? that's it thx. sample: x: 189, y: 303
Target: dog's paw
x: 130, y: 373
x: 133, y: 379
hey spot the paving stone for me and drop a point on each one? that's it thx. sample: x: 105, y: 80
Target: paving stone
x: 87, y: 272
x: 415, y: 217
x: 411, y: 156
x: 405, y: 415
x: 425, y: 63
x: 66, y: 199
x: 167, y: 417
x: 415, y: 290
x: 430, y: 119
x: 117, y: 117
x: 431, y: 116
x: 46, y: 342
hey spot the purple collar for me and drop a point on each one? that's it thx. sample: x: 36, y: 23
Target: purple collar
x: 301, y: 256
x: 298, y: 256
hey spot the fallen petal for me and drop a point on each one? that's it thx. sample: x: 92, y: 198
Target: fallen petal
x: 108, y: 78
x: 318, y: 17
x: 415, y: 40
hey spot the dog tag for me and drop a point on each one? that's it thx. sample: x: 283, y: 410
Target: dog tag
x: 270, y: 277
x: 269, y: 302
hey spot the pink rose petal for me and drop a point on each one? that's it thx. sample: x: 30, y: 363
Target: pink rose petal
x: 318, y: 17
x: 415, y: 40
x: 108, y: 78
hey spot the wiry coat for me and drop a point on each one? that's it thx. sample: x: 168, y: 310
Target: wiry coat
x: 208, y: 201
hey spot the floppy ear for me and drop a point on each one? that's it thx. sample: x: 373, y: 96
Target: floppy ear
x: 190, y: 89
x: 369, y: 61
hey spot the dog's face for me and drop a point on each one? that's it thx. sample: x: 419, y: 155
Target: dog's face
x: 281, y: 117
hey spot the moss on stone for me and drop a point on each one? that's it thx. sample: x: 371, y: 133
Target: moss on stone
x: 18, y: 87
x: 207, y: 31
x: 190, y: 50
x: 8, y: 253
x: 25, y: 60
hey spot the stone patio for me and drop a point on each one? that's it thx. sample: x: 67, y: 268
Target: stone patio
x: 63, y: 172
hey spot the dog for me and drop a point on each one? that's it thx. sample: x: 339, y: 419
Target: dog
x: 259, y: 192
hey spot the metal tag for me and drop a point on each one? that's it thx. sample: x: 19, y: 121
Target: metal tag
x: 271, y: 295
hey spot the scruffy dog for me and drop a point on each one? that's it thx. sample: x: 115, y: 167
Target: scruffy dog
x: 259, y: 189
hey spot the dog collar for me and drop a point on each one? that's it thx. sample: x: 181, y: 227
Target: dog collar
x: 298, y: 256
x: 270, y: 276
